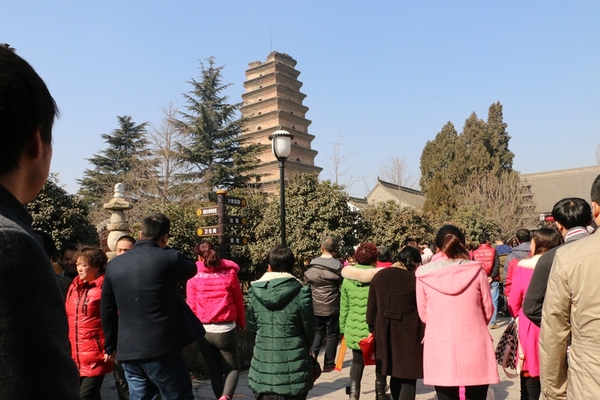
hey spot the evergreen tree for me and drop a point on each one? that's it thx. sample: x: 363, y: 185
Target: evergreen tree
x: 453, y: 161
x: 63, y: 216
x: 127, y: 159
x: 215, y: 152
x: 438, y: 171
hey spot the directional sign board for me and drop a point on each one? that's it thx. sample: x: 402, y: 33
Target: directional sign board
x: 235, y: 220
x: 208, y: 231
x: 235, y: 201
x: 235, y: 240
x: 206, y: 211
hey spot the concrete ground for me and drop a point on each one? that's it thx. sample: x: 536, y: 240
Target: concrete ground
x: 332, y: 385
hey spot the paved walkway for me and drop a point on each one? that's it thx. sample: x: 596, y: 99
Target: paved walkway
x: 332, y: 385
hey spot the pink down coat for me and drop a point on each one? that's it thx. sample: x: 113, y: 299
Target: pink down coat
x: 215, y: 295
x: 454, y: 302
x: 529, y: 333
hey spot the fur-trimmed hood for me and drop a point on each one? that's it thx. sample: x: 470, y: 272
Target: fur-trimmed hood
x: 276, y: 289
x: 529, y: 262
x: 360, y: 273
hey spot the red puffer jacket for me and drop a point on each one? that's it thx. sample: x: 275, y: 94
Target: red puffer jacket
x: 486, y: 254
x: 85, y: 327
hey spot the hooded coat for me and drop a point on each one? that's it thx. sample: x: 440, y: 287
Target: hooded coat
x: 353, y: 307
x: 454, y: 302
x: 392, y: 310
x: 280, y: 312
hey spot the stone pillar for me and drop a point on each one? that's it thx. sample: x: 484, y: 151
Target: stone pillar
x: 118, y: 225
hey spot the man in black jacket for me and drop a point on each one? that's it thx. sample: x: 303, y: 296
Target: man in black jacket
x: 144, y: 320
x: 36, y: 363
x: 572, y: 215
x: 324, y: 276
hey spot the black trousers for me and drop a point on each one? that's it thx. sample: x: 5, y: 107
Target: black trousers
x: 327, y: 326
x: 471, y: 392
x: 89, y: 387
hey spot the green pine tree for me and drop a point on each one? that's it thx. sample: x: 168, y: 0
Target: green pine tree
x: 215, y: 150
x: 127, y: 159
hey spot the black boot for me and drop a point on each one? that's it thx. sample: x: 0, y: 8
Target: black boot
x: 380, y: 390
x: 353, y: 390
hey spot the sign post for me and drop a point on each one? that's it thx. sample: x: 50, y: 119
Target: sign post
x: 223, y: 220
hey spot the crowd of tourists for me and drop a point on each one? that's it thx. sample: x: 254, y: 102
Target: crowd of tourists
x: 428, y: 311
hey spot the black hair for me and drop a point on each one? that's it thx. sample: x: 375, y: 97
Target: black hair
x: 523, y: 235
x: 155, y: 226
x: 595, y: 192
x: 409, y: 257
x: 383, y: 254
x: 451, y: 241
x: 127, y: 238
x: 483, y: 238
x: 66, y: 246
x: 281, y: 259
x: 47, y: 243
x: 329, y: 244
x: 572, y: 212
x: 26, y: 106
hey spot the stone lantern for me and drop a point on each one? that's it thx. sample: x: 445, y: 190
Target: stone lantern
x: 118, y: 225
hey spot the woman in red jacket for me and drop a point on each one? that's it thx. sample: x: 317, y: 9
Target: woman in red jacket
x: 215, y: 296
x: 85, y: 327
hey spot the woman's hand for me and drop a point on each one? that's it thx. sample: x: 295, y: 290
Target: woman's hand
x: 110, y: 358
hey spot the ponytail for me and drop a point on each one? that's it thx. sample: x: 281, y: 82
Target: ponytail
x: 206, y: 250
x: 451, y: 241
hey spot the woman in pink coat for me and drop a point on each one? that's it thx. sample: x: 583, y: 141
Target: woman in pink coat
x: 455, y: 303
x: 542, y: 240
x: 215, y: 296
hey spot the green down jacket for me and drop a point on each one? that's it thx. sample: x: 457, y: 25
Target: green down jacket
x: 353, y: 307
x: 280, y: 312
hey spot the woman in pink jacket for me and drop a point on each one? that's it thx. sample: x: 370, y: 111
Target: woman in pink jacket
x: 454, y: 302
x: 215, y: 296
x: 542, y: 240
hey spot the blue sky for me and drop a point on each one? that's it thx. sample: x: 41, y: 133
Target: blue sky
x: 383, y: 75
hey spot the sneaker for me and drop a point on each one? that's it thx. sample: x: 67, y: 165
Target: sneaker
x: 328, y: 368
x: 494, y: 326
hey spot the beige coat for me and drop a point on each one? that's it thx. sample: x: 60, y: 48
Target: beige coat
x: 572, y: 311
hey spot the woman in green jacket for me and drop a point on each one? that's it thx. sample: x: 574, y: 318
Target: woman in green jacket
x: 353, y: 309
x: 280, y: 312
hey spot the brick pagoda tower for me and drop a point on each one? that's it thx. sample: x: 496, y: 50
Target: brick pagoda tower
x: 273, y: 101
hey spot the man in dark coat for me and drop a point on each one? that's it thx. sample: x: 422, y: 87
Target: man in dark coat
x: 36, y: 363
x: 324, y: 276
x: 144, y: 320
x: 572, y: 215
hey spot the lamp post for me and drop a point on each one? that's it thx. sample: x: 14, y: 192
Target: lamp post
x: 281, y: 145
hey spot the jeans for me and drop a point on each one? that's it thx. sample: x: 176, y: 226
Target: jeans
x: 495, y: 288
x: 167, y: 375
x: 220, y: 353
x: 452, y: 393
x: 329, y: 325
x: 120, y: 381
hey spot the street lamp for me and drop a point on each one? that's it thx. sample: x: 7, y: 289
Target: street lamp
x: 281, y: 145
